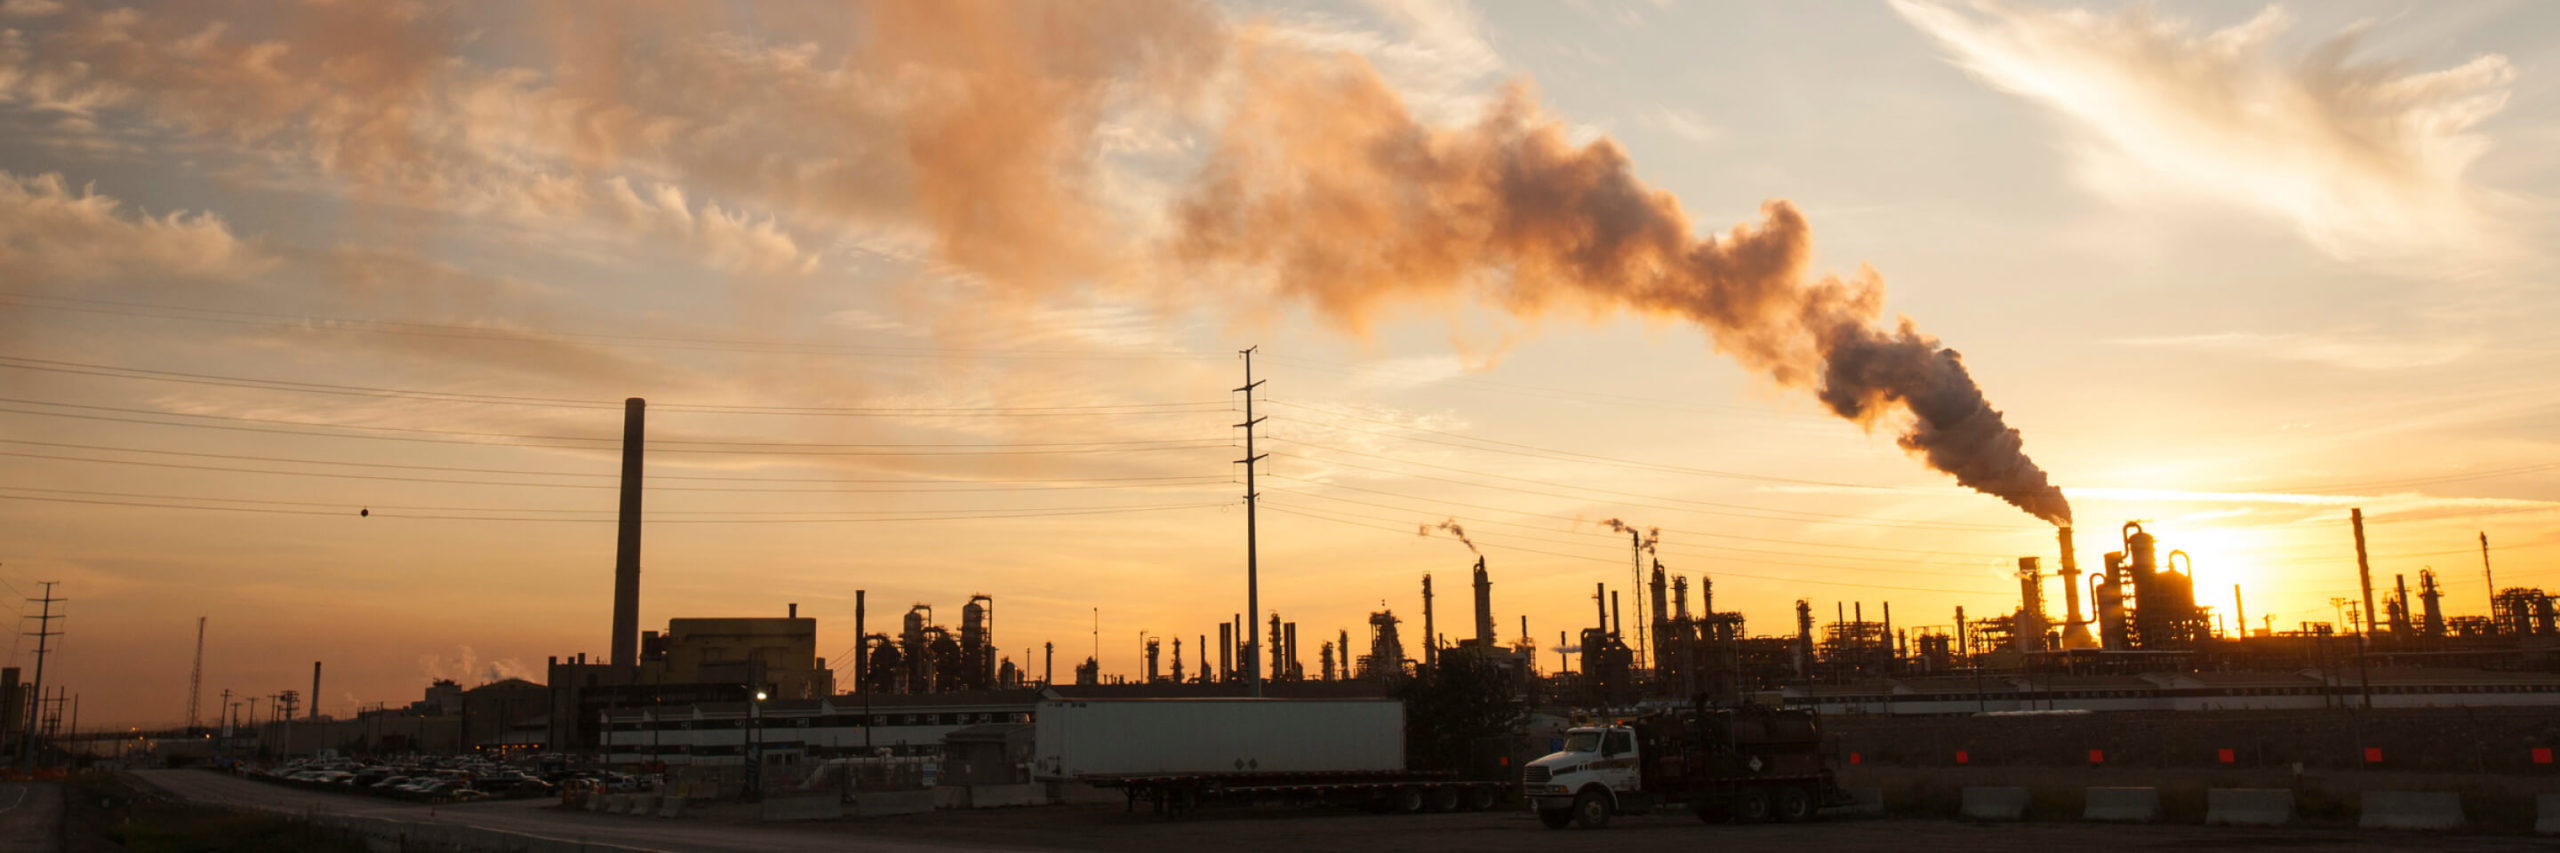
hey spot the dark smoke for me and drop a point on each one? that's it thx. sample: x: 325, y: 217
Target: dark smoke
x: 1452, y: 528
x: 1644, y: 541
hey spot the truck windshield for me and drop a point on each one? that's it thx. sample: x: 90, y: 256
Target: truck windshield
x: 1582, y: 742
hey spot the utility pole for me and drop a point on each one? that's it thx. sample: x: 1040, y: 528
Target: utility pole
x: 195, y: 678
x: 1252, y: 566
x: 44, y: 634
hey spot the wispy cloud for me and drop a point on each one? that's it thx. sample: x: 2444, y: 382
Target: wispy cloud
x: 1683, y: 123
x: 2351, y: 351
x: 51, y: 232
x: 2366, y: 158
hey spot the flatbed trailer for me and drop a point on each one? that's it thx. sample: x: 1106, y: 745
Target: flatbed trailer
x: 1383, y: 791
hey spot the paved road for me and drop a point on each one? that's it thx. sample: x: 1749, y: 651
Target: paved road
x: 30, y: 817
x: 1107, y: 828
x: 540, y: 818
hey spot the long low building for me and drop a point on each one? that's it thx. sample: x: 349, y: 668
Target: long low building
x: 793, y: 730
x: 2204, y: 691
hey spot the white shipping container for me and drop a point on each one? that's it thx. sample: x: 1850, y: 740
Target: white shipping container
x: 1171, y: 737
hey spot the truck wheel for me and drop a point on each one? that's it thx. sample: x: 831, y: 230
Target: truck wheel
x: 1751, y: 806
x: 1591, y: 810
x: 1482, y: 797
x: 1409, y: 800
x: 1444, y: 799
x: 1555, y: 818
x: 1794, y: 804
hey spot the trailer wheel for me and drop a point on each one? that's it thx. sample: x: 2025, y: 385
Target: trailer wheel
x: 1555, y: 818
x: 1591, y: 810
x: 1483, y: 797
x: 1794, y: 804
x: 1409, y: 800
x: 1751, y: 805
x: 1444, y: 799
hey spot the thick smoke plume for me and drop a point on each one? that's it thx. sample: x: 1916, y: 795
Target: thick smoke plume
x: 1451, y: 527
x: 1327, y: 181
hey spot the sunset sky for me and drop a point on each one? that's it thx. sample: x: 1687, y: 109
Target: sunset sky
x: 941, y: 298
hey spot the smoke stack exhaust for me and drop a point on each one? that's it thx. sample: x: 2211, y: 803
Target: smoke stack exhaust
x: 315, y: 692
x: 626, y: 545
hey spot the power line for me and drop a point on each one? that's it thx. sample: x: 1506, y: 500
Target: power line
x: 180, y: 377
x: 308, y: 323
x: 1534, y: 451
x: 777, y: 448
x: 1848, y: 562
x: 608, y: 520
x: 1734, y: 510
x: 1615, y: 561
x: 694, y: 477
x: 451, y: 481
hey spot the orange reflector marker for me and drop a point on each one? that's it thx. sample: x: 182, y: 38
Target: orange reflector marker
x: 2224, y: 755
x: 2373, y: 755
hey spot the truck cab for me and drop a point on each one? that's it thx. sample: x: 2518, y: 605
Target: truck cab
x: 1588, y: 780
x: 1742, y: 763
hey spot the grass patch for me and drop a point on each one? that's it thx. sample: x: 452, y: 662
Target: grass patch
x: 104, y: 806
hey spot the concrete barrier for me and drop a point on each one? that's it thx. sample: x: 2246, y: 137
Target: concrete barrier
x: 1007, y: 796
x: 2248, y: 807
x: 595, y: 801
x: 886, y: 803
x: 1994, y: 803
x: 2411, y: 810
x: 820, y: 807
x: 671, y: 805
x: 1863, y: 802
x: 1081, y: 794
x: 2547, y: 821
x: 950, y: 796
x: 2124, y: 805
x: 644, y: 805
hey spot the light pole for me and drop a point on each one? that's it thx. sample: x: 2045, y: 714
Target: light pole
x: 755, y: 750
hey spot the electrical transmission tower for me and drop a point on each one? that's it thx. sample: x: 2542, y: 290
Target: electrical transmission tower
x: 195, y: 678
x: 44, y: 634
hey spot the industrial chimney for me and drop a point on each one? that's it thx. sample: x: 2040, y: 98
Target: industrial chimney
x: 1484, y: 606
x: 2075, y: 630
x: 626, y: 545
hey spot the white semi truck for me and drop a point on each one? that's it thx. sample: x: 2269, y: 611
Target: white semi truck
x: 1176, y: 754
x: 1748, y: 764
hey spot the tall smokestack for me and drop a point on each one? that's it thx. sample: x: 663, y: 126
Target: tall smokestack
x: 862, y: 647
x: 626, y: 544
x: 315, y: 691
x: 2364, y: 570
x: 1484, y: 606
x: 2075, y: 630
x: 1430, y: 640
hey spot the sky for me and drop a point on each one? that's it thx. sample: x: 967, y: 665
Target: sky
x: 316, y: 319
